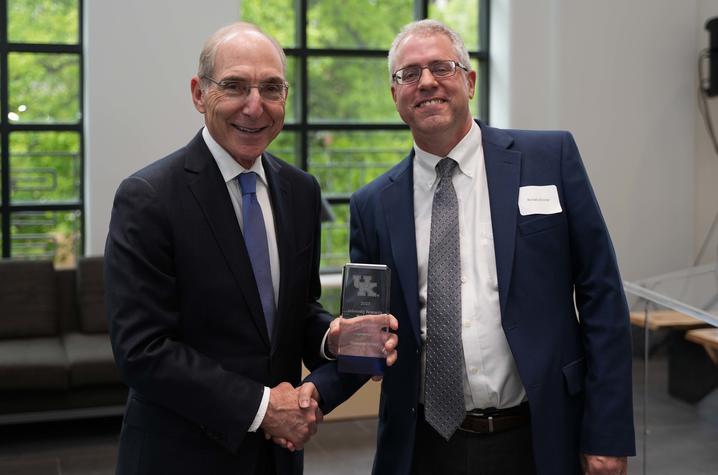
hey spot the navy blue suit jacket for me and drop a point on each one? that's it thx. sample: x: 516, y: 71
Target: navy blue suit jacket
x: 186, y: 321
x: 576, y: 370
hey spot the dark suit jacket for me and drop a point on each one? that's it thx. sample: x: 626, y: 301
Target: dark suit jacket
x: 186, y: 321
x: 577, y: 372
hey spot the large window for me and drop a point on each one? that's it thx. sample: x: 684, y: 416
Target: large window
x: 41, y: 205
x: 341, y: 123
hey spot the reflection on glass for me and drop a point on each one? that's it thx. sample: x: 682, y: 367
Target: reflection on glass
x: 44, y: 167
x: 293, y: 98
x: 474, y: 105
x: 335, y: 239
x: 461, y: 16
x: 350, y: 90
x: 44, y: 88
x: 275, y: 17
x: 344, y: 161
x: 43, y: 21
x: 285, y: 147
x: 331, y: 299
x: 46, y: 235
x: 356, y: 24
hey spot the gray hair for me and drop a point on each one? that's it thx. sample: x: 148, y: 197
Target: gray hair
x: 209, y: 51
x: 428, y: 28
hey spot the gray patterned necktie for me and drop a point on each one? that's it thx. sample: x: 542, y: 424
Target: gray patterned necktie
x: 444, y: 384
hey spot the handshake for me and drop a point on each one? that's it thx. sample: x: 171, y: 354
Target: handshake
x: 293, y: 413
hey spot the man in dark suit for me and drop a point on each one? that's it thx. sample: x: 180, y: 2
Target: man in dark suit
x: 494, y: 238
x: 212, y: 263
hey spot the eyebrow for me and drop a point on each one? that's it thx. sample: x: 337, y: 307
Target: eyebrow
x: 233, y: 78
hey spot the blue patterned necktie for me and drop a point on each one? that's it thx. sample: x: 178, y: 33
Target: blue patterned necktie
x: 255, y: 238
x: 444, y: 384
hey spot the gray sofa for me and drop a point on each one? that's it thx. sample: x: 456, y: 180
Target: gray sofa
x: 55, y: 355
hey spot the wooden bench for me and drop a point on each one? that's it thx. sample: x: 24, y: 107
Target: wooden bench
x: 661, y: 319
x: 691, y: 373
x: 708, y: 338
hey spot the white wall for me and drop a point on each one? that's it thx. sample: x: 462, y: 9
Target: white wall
x: 140, y: 56
x: 621, y: 76
x: 706, y: 195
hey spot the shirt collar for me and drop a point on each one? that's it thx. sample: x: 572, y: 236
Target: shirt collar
x: 464, y: 153
x: 229, y: 166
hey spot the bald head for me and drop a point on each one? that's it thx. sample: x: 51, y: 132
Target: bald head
x: 226, y: 34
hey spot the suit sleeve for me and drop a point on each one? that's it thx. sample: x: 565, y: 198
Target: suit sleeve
x: 334, y: 387
x: 607, y: 423
x: 143, y: 299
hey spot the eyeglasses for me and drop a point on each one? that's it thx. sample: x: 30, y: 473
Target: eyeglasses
x: 274, y: 91
x: 438, y: 69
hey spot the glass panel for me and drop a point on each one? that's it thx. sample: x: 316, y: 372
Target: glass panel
x: 461, y: 16
x: 331, y: 299
x: 43, y: 21
x: 285, y: 147
x: 335, y: 239
x: 46, y: 235
x: 44, y: 88
x: 475, y: 104
x: 344, y: 161
x: 354, y: 23
x: 294, y: 95
x: 350, y: 90
x: 276, y: 17
x: 44, y: 167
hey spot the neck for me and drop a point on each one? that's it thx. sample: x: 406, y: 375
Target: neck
x: 440, y: 143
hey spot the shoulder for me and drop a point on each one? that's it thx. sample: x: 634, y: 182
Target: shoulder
x: 524, y: 138
x: 287, y: 171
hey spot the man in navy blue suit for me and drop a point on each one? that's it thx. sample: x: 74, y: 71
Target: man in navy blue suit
x: 495, y: 240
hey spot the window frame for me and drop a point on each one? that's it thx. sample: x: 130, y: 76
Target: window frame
x: 302, y: 53
x: 7, y: 208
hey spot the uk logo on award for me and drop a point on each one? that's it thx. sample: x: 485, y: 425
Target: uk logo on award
x: 365, y: 286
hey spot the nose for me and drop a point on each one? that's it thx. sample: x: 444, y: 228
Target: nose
x: 427, y: 80
x: 253, y: 103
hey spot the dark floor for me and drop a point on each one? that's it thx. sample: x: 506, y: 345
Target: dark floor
x: 682, y: 440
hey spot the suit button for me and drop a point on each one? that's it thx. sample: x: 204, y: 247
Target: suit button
x: 412, y: 410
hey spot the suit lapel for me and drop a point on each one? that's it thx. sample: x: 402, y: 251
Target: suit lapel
x: 279, y: 193
x: 209, y: 189
x: 398, y: 202
x: 503, y: 174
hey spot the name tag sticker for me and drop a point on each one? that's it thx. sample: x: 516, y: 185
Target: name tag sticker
x: 539, y: 200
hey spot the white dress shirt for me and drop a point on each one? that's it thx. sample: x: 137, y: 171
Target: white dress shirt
x: 230, y: 168
x: 491, y: 378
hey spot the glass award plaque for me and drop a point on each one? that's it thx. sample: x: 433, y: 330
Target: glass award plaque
x: 365, y: 293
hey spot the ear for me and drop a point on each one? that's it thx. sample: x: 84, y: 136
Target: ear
x: 471, y: 83
x: 197, y: 94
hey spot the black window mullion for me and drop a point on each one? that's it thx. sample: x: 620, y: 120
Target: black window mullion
x: 304, y: 85
x: 4, y: 140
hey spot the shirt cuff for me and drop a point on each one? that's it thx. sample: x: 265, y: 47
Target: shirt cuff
x: 261, y: 411
x: 324, y: 345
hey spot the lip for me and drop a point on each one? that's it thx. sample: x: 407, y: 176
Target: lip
x: 249, y: 130
x: 427, y: 102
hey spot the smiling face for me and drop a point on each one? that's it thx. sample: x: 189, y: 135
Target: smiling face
x: 243, y: 126
x: 437, y: 111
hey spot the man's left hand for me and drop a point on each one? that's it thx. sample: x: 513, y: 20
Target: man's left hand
x: 384, y: 321
x: 604, y: 465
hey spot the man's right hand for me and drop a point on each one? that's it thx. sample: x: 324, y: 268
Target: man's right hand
x: 286, y: 420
